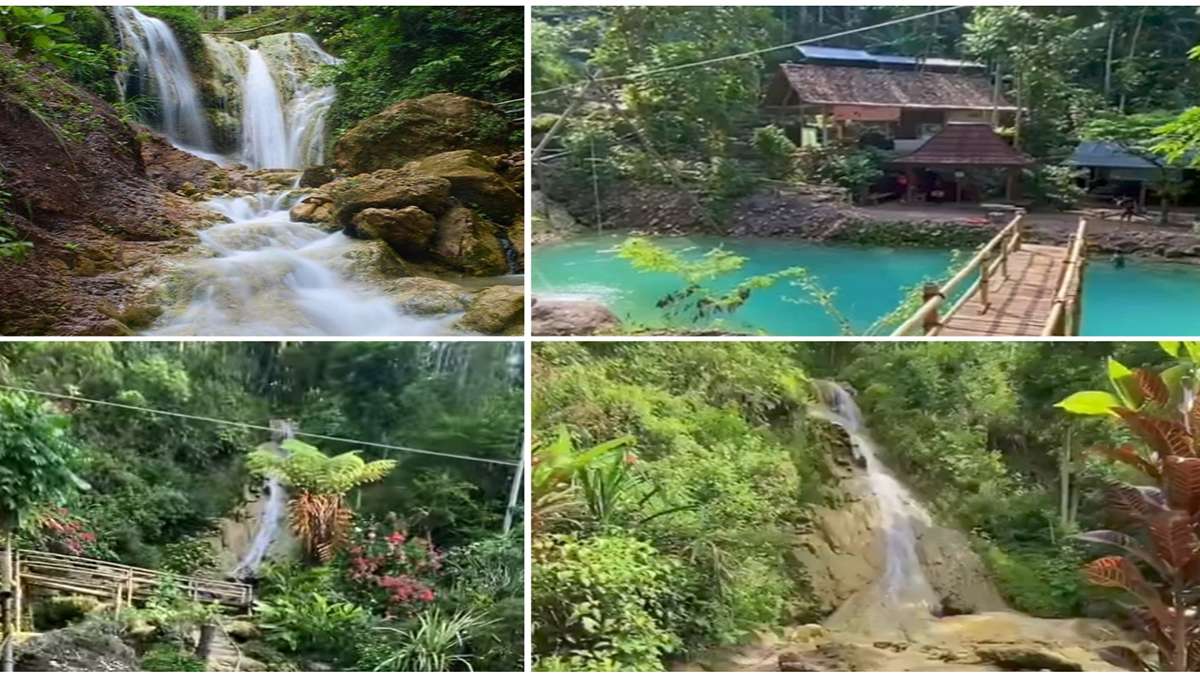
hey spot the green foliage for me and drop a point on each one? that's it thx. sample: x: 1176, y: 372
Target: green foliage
x: 437, y: 643
x: 776, y: 151
x: 707, y: 496
x: 845, y: 166
x: 1038, y: 582
x: 699, y: 301
x: 313, y: 623
x: 306, y: 468
x: 604, y: 603
x: 37, y: 456
x: 165, y: 658
x: 395, y: 53
x: 488, y: 577
x: 1052, y: 184
x: 189, y: 556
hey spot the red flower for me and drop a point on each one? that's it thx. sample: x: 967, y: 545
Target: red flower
x: 396, y: 538
x: 88, y: 536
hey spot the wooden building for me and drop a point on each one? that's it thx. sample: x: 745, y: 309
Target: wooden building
x: 898, y: 102
x: 947, y: 163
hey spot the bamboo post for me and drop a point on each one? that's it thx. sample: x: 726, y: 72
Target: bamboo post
x: 983, y: 283
x: 17, y: 592
x: 931, y: 321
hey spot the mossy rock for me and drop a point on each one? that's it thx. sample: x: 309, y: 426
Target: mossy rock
x: 417, y: 128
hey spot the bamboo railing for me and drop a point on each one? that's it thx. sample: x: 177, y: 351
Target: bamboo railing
x: 1068, y: 300
x: 927, y: 319
x: 123, y: 584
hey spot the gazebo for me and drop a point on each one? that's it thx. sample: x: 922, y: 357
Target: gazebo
x: 960, y: 147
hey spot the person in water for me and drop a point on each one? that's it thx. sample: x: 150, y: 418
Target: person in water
x: 1119, y: 261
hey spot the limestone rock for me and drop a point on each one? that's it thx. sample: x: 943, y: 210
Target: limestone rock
x: 408, y: 230
x: 242, y: 630
x: 426, y: 296
x: 387, y: 189
x: 316, y: 176
x: 468, y: 243
x: 498, y: 310
x: 563, y: 317
x: 417, y: 128
x: 372, y: 261
x: 473, y: 181
x: 1027, y: 657
x: 89, y: 646
x: 315, y: 208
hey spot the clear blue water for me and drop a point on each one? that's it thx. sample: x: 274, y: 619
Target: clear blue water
x: 1146, y: 299
x: 870, y: 282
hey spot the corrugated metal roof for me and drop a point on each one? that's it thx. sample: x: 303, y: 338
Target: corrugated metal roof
x: 1107, y: 154
x: 859, y: 55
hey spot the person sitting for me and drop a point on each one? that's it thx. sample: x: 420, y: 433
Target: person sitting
x: 1128, y: 209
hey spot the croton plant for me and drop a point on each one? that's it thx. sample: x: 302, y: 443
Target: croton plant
x: 1159, y: 562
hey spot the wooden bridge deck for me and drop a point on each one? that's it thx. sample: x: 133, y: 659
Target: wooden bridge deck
x: 1017, y: 305
x: 1020, y: 289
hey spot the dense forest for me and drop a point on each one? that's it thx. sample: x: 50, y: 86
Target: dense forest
x: 864, y: 506
x: 399, y: 550
x: 192, y: 170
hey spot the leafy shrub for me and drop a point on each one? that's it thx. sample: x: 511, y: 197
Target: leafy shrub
x: 1054, y: 185
x: 436, y: 642
x: 776, y: 150
x: 605, y: 603
x: 845, y: 166
x: 188, y: 556
x: 1044, y: 583
x: 488, y: 578
x: 55, y: 612
x: 313, y: 623
x: 165, y: 658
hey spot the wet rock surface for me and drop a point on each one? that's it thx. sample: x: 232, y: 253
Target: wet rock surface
x: 89, y: 646
x: 499, y: 310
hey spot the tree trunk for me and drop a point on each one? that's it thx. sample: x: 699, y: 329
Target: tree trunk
x: 1137, y: 32
x: 1064, y: 483
x: 1108, y: 61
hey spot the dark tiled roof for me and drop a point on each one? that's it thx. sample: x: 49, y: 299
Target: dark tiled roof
x: 844, y: 85
x: 965, y: 145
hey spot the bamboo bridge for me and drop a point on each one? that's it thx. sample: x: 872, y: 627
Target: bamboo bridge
x: 122, y: 584
x: 1019, y: 289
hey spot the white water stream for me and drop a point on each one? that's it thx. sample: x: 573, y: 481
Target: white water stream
x: 267, y: 274
x: 903, y: 589
x: 161, y: 71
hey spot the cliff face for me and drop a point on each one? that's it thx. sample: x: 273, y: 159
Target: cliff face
x: 75, y: 187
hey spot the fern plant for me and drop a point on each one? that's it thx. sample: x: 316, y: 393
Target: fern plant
x: 1160, y: 565
x: 318, y: 513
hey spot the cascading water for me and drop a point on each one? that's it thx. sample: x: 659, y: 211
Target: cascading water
x: 903, y: 592
x: 264, y: 132
x: 270, y: 275
x: 269, y: 520
x: 162, y: 72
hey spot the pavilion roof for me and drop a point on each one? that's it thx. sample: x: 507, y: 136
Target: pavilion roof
x: 962, y: 145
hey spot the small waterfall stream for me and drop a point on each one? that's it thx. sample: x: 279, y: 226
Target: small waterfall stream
x: 264, y: 131
x: 162, y: 72
x: 904, y: 591
x: 270, y: 519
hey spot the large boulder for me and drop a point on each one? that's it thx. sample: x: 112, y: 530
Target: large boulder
x: 468, y: 243
x: 499, y: 310
x: 387, y: 189
x: 426, y: 296
x: 408, y: 230
x: 474, y: 182
x: 89, y: 646
x: 569, y: 317
x: 421, y: 127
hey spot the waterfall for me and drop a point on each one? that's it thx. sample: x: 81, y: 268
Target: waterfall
x: 282, y: 114
x: 903, y: 587
x: 264, y: 132
x: 270, y: 518
x: 162, y: 71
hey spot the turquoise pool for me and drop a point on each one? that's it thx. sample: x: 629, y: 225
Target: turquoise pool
x: 1148, y: 299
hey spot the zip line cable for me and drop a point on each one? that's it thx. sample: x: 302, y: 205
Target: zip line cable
x: 756, y: 52
x: 247, y: 425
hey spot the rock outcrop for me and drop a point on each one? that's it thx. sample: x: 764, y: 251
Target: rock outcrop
x: 386, y: 189
x: 89, y: 646
x: 571, y: 317
x: 408, y: 230
x: 418, y: 128
x: 468, y: 243
x: 498, y: 310
x: 474, y: 181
